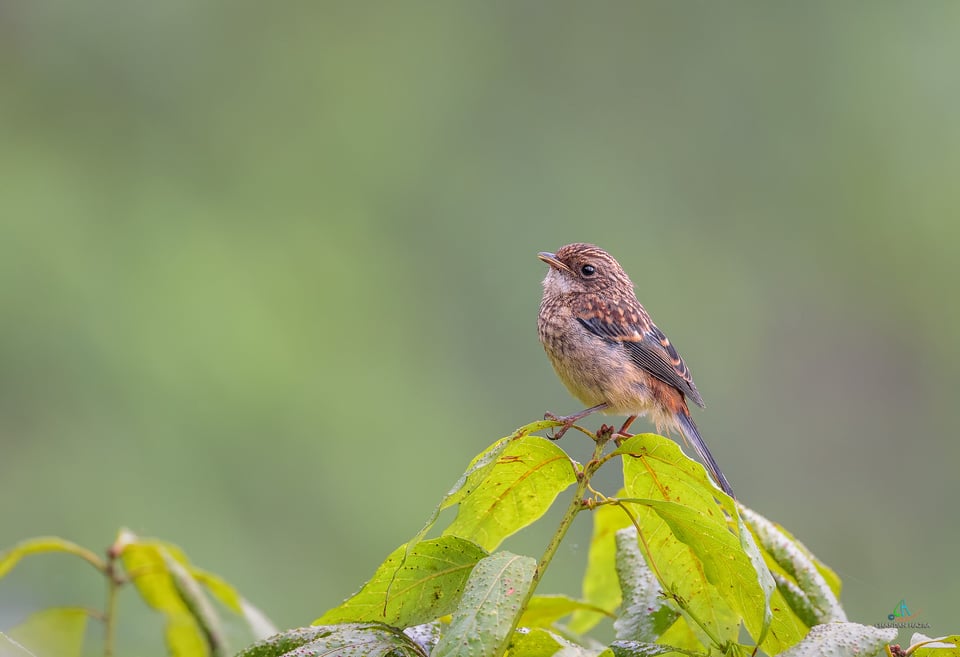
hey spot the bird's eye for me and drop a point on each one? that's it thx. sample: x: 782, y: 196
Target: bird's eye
x: 588, y: 270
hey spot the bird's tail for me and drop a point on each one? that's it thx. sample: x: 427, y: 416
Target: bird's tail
x: 692, y: 434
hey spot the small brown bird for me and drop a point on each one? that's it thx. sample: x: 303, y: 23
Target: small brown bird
x: 607, y: 350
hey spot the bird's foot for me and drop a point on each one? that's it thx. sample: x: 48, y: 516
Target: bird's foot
x: 620, y: 438
x: 626, y: 425
x: 568, y: 421
x: 622, y: 434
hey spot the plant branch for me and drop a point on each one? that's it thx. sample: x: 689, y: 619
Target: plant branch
x: 576, y: 506
x: 114, y: 582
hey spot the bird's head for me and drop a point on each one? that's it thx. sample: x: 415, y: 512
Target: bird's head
x: 583, y: 268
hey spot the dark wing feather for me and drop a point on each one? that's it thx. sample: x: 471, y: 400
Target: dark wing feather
x: 629, y: 324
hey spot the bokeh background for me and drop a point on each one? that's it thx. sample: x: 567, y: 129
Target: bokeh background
x: 268, y: 275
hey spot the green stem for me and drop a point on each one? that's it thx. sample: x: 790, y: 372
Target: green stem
x: 575, y: 507
x: 110, y: 615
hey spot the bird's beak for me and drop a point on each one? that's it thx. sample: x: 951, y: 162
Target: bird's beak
x: 551, y: 259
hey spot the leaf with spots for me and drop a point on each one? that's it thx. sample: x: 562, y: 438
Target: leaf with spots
x: 829, y: 575
x: 425, y: 635
x: 645, y: 614
x: 516, y: 490
x: 692, y: 539
x: 843, y: 640
x: 538, y: 642
x: 810, y: 593
x: 284, y: 642
x: 424, y: 583
x: 490, y: 607
x: 642, y: 649
x: 477, y: 471
x: 344, y: 640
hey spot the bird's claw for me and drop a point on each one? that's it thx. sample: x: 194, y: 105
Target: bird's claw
x: 567, y: 423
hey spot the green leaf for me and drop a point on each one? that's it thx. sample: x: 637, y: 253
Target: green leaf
x: 146, y: 566
x: 539, y: 642
x: 715, y: 555
x: 642, y: 649
x: 477, y: 472
x: 11, y: 557
x: 600, y: 583
x: 429, y: 583
x: 199, y: 605
x: 372, y: 640
x: 545, y: 610
x: 284, y: 642
x: 425, y: 635
x: 764, y: 577
x: 473, y: 476
x: 828, y: 574
x: 945, y: 646
x: 682, y: 637
x: 345, y: 640
x: 793, y: 614
x: 786, y: 628
x: 796, y: 599
x: 842, y: 640
x: 260, y: 626
x: 520, y: 486
x: 699, y: 559
x: 645, y: 614
x: 55, y: 632
x: 793, y: 562
x: 490, y: 607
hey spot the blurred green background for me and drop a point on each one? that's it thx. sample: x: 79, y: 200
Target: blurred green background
x: 269, y: 275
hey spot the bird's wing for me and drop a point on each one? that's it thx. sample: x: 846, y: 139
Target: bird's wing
x: 629, y: 324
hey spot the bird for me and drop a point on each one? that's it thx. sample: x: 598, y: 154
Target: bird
x: 607, y: 351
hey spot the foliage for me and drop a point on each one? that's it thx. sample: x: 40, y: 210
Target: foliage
x: 681, y: 568
x: 166, y: 581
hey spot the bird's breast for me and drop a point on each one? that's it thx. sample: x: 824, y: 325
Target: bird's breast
x: 594, y: 370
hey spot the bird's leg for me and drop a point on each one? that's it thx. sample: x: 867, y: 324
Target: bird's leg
x: 622, y: 435
x: 569, y: 420
x: 626, y: 425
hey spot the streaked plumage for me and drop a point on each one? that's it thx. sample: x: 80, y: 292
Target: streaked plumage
x: 607, y: 350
